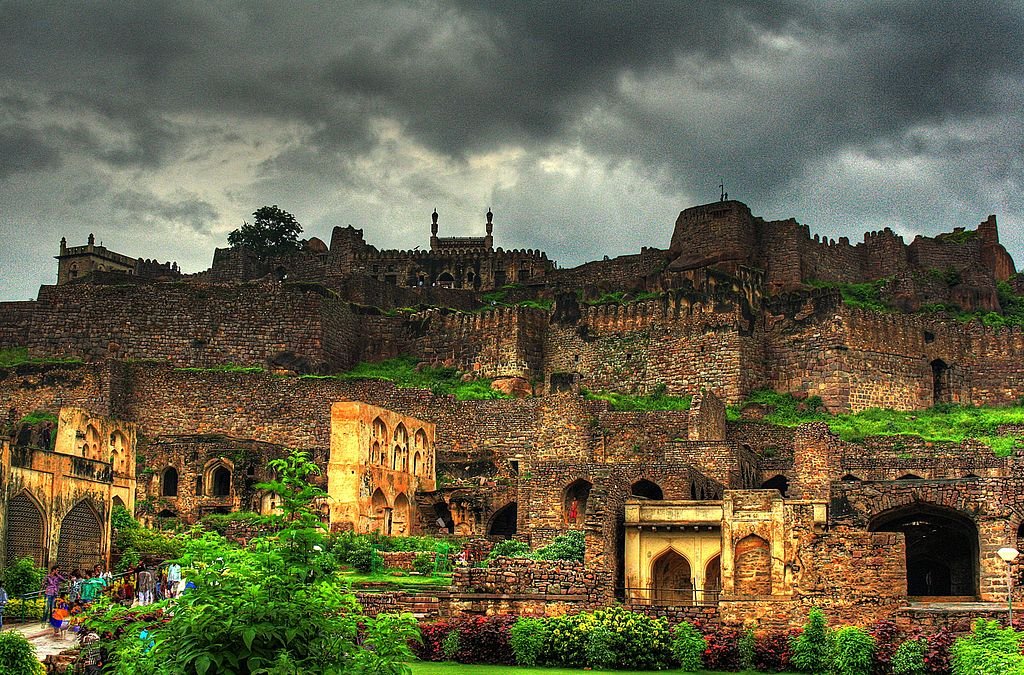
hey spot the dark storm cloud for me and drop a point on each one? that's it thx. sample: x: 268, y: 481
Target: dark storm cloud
x: 805, y: 109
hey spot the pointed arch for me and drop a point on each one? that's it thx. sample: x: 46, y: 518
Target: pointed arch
x: 909, y: 476
x: 713, y: 579
x: 672, y: 578
x: 80, y: 544
x: 93, y: 441
x: 26, y: 529
x: 417, y: 463
x: 380, y: 512
x: 752, y: 568
x: 646, y: 489
x: 117, y: 501
x: 574, y: 501
x: 380, y: 430
x: 400, y: 515
x: 169, y: 482
x: 850, y: 478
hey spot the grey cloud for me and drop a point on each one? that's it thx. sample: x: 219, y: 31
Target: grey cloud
x: 143, y: 209
x: 23, y: 149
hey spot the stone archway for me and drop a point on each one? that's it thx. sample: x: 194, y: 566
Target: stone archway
x: 778, y: 482
x: 712, y: 580
x: 671, y: 579
x: 505, y: 521
x: 80, y: 544
x: 380, y: 512
x: 942, y: 548
x: 400, y: 515
x: 26, y: 530
x: 169, y: 482
x: 221, y: 483
x: 574, y: 502
x: 646, y: 489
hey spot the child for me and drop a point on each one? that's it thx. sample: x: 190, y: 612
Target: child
x: 60, y: 618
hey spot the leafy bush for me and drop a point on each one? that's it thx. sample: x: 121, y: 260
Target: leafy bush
x: 600, y: 648
x: 366, y: 560
x: 745, y: 646
x: 408, y: 371
x: 688, y: 646
x: 23, y: 577
x: 637, y: 641
x: 423, y: 563
x: 148, y: 542
x: 451, y: 646
x: 17, y: 655
x: 853, y: 651
x: 569, y: 546
x: 888, y: 636
x: 477, y: 639
x: 528, y: 637
x: 772, y: 651
x: 510, y: 548
x: 988, y: 650
x: 121, y: 519
x: 723, y: 648
x: 908, y: 659
x: 812, y: 649
x: 937, y: 657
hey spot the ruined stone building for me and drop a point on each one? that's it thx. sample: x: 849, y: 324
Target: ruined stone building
x: 679, y: 508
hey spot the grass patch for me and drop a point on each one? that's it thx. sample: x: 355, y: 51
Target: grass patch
x: 225, y: 368
x: 942, y: 423
x: 389, y: 581
x: 18, y: 356
x: 497, y: 299
x: 430, y: 668
x: 867, y: 295
x: 406, y: 371
x: 1011, y: 304
x: 656, y: 400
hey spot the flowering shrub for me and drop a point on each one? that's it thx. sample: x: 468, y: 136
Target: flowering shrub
x: 638, y: 642
x: 476, y: 639
x: 723, y: 651
x: 772, y: 651
x: 888, y: 637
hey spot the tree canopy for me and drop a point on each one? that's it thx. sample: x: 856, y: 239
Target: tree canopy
x: 272, y: 232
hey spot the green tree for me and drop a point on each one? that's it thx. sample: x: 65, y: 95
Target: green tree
x: 812, y: 649
x: 272, y: 232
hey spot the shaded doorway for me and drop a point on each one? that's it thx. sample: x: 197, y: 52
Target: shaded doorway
x: 671, y: 579
x: 221, y: 482
x: 942, y: 549
x: 779, y: 482
x: 169, y: 482
x: 940, y: 382
x: 504, y: 521
x: 574, y: 502
x: 712, y: 581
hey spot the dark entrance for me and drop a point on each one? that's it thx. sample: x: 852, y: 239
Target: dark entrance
x: 780, y: 483
x: 940, y: 382
x: 221, y: 482
x: 505, y: 520
x: 646, y: 489
x: 942, y: 549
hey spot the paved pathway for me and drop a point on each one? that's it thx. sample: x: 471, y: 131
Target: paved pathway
x: 41, y: 637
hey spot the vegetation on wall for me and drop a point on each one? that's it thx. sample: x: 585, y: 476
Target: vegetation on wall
x: 656, y: 400
x: 867, y: 295
x: 408, y: 371
x: 942, y: 423
x: 12, y: 357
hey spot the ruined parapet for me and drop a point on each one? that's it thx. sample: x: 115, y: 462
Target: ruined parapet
x: 707, y: 417
x: 720, y: 233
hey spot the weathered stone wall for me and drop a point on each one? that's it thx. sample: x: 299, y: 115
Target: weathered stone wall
x: 523, y: 576
x: 16, y: 323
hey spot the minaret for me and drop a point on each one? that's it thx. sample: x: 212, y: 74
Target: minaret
x: 433, y: 230
x: 489, y: 239
x: 63, y: 246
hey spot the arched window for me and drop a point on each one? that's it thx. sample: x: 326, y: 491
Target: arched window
x: 92, y: 439
x: 221, y: 481
x: 909, y: 476
x: 671, y: 578
x: 169, y: 482
x: 381, y: 515
x: 752, y: 567
x: 416, y: 464
x: 646, y: 489
x: 850, y: 478
x: 400, y: 515
x: 574, y: 501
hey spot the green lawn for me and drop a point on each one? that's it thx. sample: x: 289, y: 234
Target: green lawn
x: 408, y: 581
x: 428, y: 668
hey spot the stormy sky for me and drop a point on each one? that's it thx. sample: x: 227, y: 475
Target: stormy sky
x: 587, y: 126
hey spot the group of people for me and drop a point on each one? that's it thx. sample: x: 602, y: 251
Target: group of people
x: 67, y: 596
